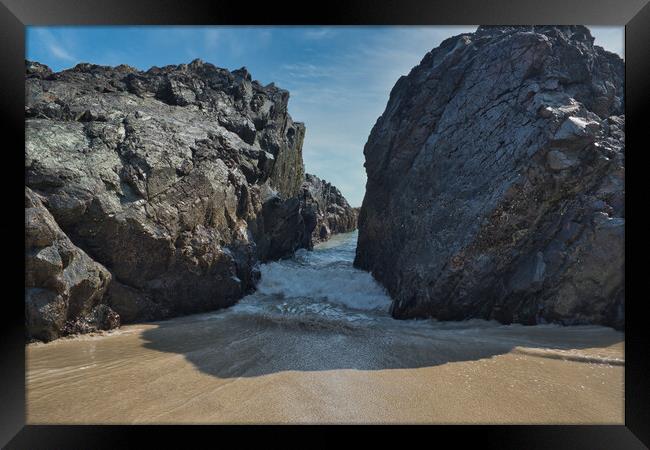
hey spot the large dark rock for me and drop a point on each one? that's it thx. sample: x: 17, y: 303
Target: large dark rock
x: 496, y: 181
x: 325, y: 211
x: 64, y: 287
x: 178, y: 180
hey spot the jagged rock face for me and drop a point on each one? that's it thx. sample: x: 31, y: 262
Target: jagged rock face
x: 63, y: 285
x: 496, y: 181
x: 178, y: 180
x: 325, y: 211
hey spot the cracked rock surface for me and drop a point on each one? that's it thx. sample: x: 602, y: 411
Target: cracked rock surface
x: 176, y: 182
x: 496, y: 181
x: 64, y: 287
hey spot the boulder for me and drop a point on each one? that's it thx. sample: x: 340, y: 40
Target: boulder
x: 163, y: 177
x: 176, y: 182
x: 496, y: 181
x: 64, y: 287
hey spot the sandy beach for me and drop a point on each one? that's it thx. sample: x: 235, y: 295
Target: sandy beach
x: 192, y: 378
x: 315, y: 344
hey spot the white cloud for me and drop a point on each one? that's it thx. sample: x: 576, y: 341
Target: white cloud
x: 229, y: 40
x: 339, y: 77
x: 54, y: 46
x: 340, y: 96
x: 610, y: 38
x: 211, y: 37
x: 319, y: 33
x: 61, y: 53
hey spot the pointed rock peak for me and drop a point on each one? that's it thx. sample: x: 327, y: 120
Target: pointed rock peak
x: 33, y: 68
x: 125, y: 68
x: 242, y: 72
x: 84, y: 67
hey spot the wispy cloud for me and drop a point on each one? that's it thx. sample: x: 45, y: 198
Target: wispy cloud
x: 319, y: 33
x: 339, y: 77
x: 211, y: 38
x: 229, y: 40
x: 61, y: 53
x: 55, y: 47
x: 340, y: 93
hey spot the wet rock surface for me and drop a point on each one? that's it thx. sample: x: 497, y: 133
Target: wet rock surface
x: 496, y: 181
x: 176, y: 182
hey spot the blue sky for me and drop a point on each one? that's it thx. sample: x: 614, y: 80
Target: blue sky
x: 339, y: 78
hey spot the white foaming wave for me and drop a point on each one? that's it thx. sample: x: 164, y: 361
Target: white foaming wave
x: 337, y: 283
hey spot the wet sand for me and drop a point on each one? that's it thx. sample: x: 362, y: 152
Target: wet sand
x: 119, y: 378
x: 315, y: 344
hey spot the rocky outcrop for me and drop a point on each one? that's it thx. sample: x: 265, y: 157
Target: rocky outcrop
x: 172, y: 183
x: 325, y: 211
x: 64, y: 287
x: 496, y: 181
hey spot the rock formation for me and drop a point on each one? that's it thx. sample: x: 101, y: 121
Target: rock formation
x: 496, y: 181
x: 325, y: 210
x: 63, y: 285
x: 169, y: 187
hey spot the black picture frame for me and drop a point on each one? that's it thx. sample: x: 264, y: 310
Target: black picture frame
x: 16, y: 14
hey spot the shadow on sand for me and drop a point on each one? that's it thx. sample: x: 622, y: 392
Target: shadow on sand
x: 232, y: 344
